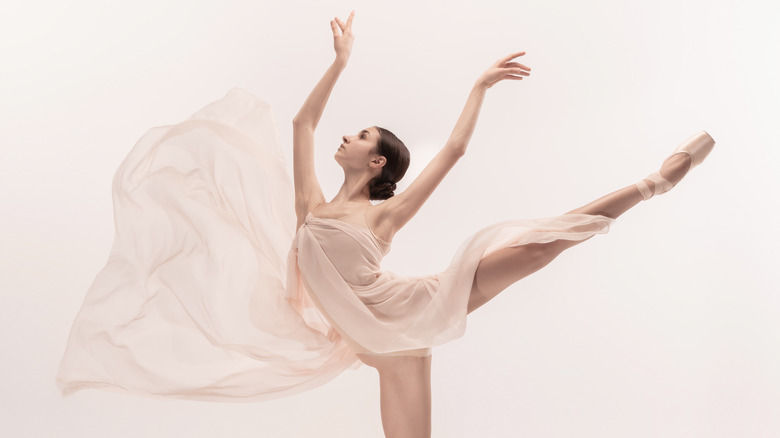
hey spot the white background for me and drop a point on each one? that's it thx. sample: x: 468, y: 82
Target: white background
x: 667, y: 326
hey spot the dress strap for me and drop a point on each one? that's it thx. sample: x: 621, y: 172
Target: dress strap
x: 368, y: 227
x: 316, y: 207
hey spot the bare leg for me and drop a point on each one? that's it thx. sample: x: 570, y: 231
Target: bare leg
x: 504, y: 267
x: 404, y: 393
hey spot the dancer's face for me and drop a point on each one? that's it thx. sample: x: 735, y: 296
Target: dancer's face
x: 359, y: 150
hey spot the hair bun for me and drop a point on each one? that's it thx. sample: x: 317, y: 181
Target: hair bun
x: 395, y: 152
x: 382, y: 190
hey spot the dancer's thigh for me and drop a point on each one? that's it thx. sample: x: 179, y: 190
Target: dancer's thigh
x: 503, y: 267
x: 405, y: 398
x: 390, y: 362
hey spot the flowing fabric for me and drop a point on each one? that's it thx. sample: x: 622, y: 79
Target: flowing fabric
x: 209, y: 292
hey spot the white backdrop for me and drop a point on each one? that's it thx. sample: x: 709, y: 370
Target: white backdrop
x: 666, y: 326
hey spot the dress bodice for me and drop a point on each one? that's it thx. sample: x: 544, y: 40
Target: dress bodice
x: 353, y: 249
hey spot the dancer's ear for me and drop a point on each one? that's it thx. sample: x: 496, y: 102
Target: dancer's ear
x: 380, y: 161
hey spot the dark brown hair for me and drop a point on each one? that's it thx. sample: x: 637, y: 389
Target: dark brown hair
x: 397, y: 156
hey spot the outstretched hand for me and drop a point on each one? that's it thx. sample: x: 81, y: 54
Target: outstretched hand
x: 342, y: 42
x: 503, y: 69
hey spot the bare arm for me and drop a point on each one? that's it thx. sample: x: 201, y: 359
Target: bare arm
x: 310, y: 113
x: 464, y: 127
x: 307, y: 188
x: 404, y: 206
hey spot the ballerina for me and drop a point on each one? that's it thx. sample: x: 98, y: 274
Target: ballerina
x: 374, y: 160
x: 214, y: 291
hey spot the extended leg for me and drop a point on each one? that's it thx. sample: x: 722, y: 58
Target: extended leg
x: 619, y: 201
x: 502, y: 268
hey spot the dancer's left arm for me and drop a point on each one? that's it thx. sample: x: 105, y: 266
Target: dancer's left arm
x: 402, y: 207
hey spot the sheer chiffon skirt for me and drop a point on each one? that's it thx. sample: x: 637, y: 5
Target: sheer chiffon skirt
x: 194, y: 301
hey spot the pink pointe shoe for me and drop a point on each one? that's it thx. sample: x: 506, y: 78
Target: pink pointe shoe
x: 698, y: 146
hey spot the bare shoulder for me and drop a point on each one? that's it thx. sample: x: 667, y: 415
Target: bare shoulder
x: 302, y: 209
x: 381, y: 220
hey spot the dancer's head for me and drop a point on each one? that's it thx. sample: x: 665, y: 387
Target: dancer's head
x: 379, y: 153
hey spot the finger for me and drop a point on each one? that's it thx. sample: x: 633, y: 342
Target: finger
x: 518, y: 65
x: 349, y: 20
x: 341, y: 24
x: 513, y: 77
x: 512, y: 56
x: 334, y: 27
x: 516, y: 71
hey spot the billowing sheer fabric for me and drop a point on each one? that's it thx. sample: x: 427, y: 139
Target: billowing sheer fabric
x: 210, y: 293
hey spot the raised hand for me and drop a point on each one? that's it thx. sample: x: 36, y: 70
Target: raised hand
x: 342, y: 41
x: 503, y: 69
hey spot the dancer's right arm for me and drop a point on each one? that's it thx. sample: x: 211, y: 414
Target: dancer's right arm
x: 307, y: 189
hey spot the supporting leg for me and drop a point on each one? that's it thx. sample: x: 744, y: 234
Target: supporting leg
x: 405, y: 394
x: 504, y: 267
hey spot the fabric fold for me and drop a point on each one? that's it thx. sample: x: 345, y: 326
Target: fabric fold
x: 210, y: 293
x: 191, y: 303
x: 383, y: 313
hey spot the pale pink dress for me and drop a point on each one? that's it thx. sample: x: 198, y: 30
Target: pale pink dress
x: 209, y: 292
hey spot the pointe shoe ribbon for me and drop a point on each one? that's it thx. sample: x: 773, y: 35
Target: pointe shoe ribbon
x: 698, y: 146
